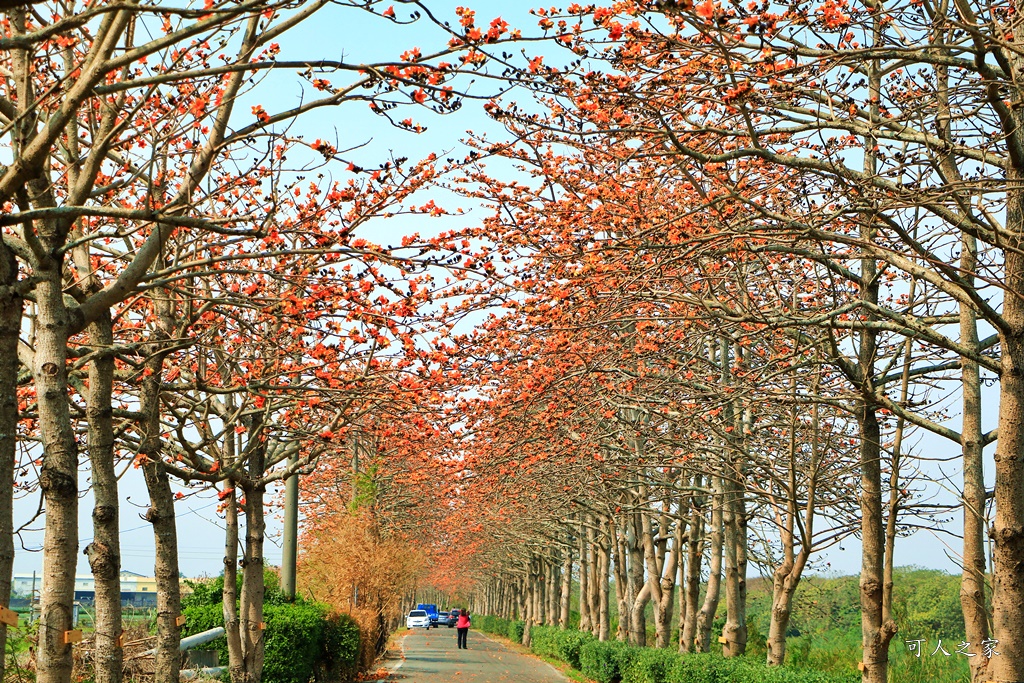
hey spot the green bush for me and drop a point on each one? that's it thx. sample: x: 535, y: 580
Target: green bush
x: 300, y: 639
x: 515, y: 630
x: 491, y: 624
x: 703, y: 668
x: 713, y: 668
x: 339, y: 651
x: 599, y: 660
x: 569, y: 644
x: 293, y: 642
x: 199, y: 618
x: 647, y: 665
x: 561, y: 644
x: 617, y: 662
x: 542, y: 641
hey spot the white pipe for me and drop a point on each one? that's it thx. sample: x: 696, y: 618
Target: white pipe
x: 192, y: 641
x: 213, y: 672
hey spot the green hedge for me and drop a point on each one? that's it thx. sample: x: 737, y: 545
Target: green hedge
x: 507, y: 628
x: 562, y: 644
x: 301, y: 639
x: 514, y: 631
x: 647, y: 665
x: 542, y: 641
x: 616, y: 662
x: 599, y: 660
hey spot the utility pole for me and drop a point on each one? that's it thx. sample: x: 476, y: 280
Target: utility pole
x: 291, y: 531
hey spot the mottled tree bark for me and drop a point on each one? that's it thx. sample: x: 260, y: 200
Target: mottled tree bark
x: 161, y: 507
x: 253, y: 588
x: 104, y: 552
x: 603, y: 576
x: 619, y: 562
x: 690, y: 592
x: 876, y: 630
x: 706, y: 615
x: 786, y: 576
x: 229, y: 602
x: 565, y: 592
x: 639, y: 593
x: 595, y: 539
x: 661, y: 562
x: 551, y: 583
x: 10, y: 326
x: 584, y: 555
x: 735, y: 523
x: 58, y: 477
x: 1008, y: 527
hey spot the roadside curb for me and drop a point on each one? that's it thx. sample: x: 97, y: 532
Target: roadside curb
x: 395, y: 667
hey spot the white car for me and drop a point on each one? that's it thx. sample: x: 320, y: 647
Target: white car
x: 417, y: 618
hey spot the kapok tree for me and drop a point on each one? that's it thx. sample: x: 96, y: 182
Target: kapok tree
x: 879, y: 154
x: 116, y: 120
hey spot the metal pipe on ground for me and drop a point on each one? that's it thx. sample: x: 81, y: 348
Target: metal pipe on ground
x: 210, y: 672
x: 192, y: 641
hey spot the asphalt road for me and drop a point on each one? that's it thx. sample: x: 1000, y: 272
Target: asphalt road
x: 432, y: 657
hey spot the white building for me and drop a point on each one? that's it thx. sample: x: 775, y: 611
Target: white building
x: 85, y: 585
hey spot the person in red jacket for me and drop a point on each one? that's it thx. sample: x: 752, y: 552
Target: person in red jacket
x: 462, y: 626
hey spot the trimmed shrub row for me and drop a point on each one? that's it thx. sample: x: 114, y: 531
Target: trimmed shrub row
x: 565, y: 645
x: 302, y: 641
x: 508, y: 628
x: 617, y: 662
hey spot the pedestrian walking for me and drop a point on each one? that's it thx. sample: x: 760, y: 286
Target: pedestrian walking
x: 462, y: 626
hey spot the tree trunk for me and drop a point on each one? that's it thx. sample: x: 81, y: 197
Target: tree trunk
x: 876, y: 631
x: 618, y: 544
x: 786, y: 577
x: 104, y: 552
x: 532, y: 601
x: 598, y: 580
x: 539, y: 584
x: 660, y: 561
x: 1008, y: 527
x: 585, y: 534
x: 734, y: 511
x: 972, y: 583
x: 551, y: 598
x: 603, y: 576
x: 565, y: 592
x: 229, y: 602
x: 639, y: 591
x: 10, y: 328
x: 58, y: 477
x: 664, y: 605
x: 524, y: 597
x: 253, y: 588
x: 690, y: 592
x: 784, y: 585
x: 706, y: 616
x: 161, y: 515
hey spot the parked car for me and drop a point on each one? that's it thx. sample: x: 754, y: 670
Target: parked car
x: 417, y: 619
x: 445, y: 619
x: 431, y: 611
